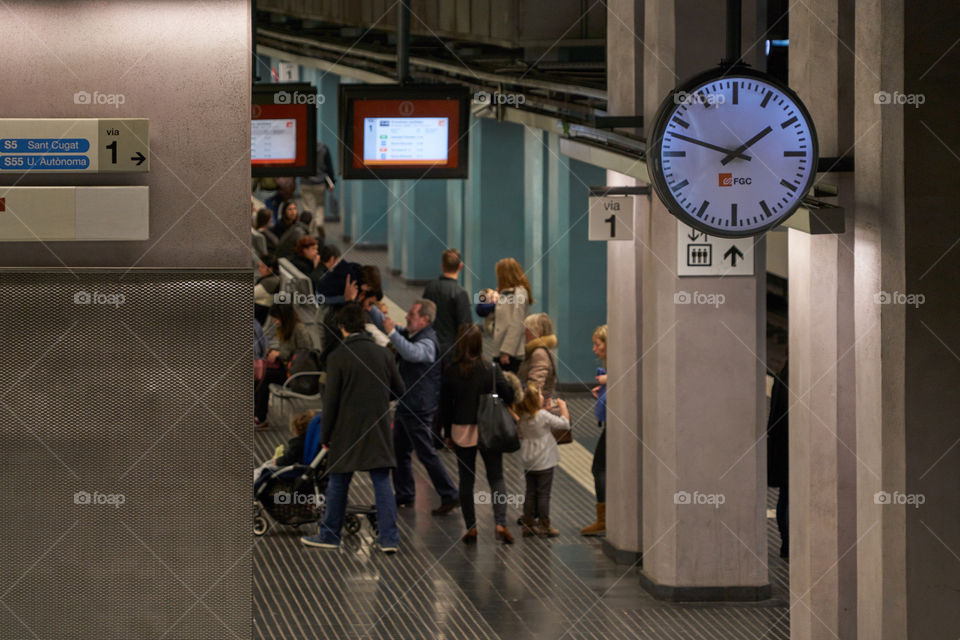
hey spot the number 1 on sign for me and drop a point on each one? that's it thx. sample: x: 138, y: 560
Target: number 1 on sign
x: 613, y: 225
x: 113, y: 148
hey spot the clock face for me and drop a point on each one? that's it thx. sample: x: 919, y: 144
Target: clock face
x: 733, y: 155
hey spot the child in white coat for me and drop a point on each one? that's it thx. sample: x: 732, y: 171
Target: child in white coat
x: 538, y: 455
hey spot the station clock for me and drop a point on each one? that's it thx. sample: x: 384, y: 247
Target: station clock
x: 732, y: 152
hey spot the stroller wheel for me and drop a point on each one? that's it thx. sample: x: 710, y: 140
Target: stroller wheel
x: 260, y: 525
x: 352, y: 524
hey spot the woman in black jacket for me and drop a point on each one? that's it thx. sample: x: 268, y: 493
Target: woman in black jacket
x: 464, y: 381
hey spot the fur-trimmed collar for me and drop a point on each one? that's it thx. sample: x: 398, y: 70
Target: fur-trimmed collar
x: 549, y: 342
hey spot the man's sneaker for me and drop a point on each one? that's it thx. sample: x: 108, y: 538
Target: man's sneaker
x: 445, y: 508
x: 317, y: 541
x: 388, y: 549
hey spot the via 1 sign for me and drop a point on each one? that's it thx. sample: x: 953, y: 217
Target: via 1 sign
x: 611, y: 218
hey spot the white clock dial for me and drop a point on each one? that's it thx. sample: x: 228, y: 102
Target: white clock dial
x: 734, y: 155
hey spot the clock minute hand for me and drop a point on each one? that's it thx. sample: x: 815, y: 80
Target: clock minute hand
x: 710, y: 146
x: 730, y: 156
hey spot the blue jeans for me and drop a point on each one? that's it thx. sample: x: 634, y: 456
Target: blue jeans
x: 413, y: 432
x: 337, y: 489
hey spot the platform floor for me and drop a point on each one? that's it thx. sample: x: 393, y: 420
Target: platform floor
x: 437, y: 587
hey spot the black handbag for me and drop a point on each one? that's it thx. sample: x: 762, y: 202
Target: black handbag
x: 497, y: 430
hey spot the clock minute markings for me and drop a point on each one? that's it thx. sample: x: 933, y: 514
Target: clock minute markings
x: 766, y: 99
x: 736, y: 93
x: 788, y: 185
x: 703, y: 207
x: 733, y: 214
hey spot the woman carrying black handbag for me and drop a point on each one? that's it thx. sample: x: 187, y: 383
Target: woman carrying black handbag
x: 465, y: 380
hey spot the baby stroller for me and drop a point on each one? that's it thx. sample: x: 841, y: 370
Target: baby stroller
x: 296, y: 495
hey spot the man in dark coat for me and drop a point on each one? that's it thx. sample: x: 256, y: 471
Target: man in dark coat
x: 778, y: 455
x: 453, y: 303
x: 420, y: 368
x: 361, y: 379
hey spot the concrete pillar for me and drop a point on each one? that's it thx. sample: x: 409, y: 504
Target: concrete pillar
x: 822, y: 485
x: 625, y: 62
x: 424, y: 219
x: 703, y: 413
x: 906, y: 353
x: 368, y: 213
x: 396, y: 192
x: 493, y: 224
x: 535, y: 200
x: 575, y: 266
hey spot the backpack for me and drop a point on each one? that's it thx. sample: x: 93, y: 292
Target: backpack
x: 304, y: 361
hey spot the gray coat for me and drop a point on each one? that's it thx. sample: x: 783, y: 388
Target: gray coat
x: 362, y: 377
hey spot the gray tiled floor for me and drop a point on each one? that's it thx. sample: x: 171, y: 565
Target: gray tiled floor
x: 439, y: 588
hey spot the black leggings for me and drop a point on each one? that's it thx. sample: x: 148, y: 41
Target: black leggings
x: 261, y: 393
x: 467, y: 468
x: 536, y: 502
x: 599, y: 467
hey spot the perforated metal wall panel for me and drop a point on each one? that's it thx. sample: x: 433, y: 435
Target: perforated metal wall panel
x: 126, y: 443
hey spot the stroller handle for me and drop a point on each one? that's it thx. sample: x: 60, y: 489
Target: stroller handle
x: 321, y: 376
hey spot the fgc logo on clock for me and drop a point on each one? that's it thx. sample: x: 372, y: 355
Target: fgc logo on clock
x: 728, y: 180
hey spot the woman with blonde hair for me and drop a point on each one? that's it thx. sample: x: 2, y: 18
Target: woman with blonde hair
x: 599, y: 467
x: 514, y: 297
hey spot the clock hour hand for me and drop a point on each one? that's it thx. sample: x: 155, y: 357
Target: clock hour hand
x: 730, y: 152
x: 733, y: 154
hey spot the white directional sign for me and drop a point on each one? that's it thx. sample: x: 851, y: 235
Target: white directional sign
x: 45, y: 214
x: 701, y: 255
x: 610, y: 218
x: 78, y: 145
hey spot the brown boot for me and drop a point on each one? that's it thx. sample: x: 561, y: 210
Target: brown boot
x: 600, y: 526
x: 544, y: 530
x: 528, y: 527
x: 503, y: 535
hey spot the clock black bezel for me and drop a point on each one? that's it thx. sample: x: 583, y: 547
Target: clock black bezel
x: 662, y: 119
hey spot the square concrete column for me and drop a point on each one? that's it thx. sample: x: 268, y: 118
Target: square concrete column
x: 822, y: 421
x: 702, y: 369
x: 906, y: 317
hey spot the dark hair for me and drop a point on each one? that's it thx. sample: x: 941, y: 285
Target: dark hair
x: 329, y: 251
x: 351, y: 318
x: 264, y: 216
x: 469, y: 348
x: 306, y: 217
x: 305, y: 242
x: 451, y: 260
x: 269, y: 261
x: 283, y: 208
x: 288, y: 320
x: 370, y: 276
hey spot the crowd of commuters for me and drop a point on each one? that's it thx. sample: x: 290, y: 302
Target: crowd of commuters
x: 432, y: 368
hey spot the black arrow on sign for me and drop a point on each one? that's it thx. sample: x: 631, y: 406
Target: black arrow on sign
x: 733, y: 253
x: 693, y: 235
x: 139, y: 158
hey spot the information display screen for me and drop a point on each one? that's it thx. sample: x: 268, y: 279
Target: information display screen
x: 274, y: 141
x: 411, y: 141
x: 403, y: 131
x: 283, y: 130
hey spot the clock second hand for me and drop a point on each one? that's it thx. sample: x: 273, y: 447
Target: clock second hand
x: 730, y: 156
x: 731, y: 153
